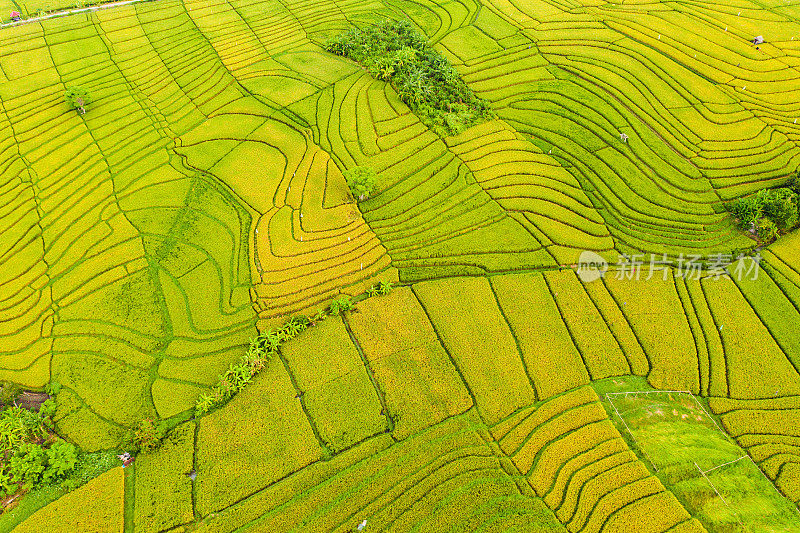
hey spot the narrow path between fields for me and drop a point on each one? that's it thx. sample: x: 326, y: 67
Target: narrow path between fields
x: 71, y: 12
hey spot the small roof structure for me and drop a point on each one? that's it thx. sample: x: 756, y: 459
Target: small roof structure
x: 14, y: 14
x: 759, y: 40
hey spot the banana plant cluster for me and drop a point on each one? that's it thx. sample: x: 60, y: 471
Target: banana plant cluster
x: 239, y: 375
x: 267, y: 345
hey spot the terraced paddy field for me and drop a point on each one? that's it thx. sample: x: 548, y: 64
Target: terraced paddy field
x: 201, y: 201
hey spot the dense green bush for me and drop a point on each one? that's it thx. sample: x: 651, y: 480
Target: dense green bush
x: 794, y: 184
x: 780, y: 205
x: 767, y: 230
x: 77, y: 97
x: 340, y: 305
x: 394, y: 51
x: 61, y: 459
x: 381, y: 288
x: 7, y: 485
x: 770, y: 211
x: 747, y: 211
x: 18, y: 426
x: 361, y: 181
x: 149, y: 434
x: 27, y: 464
x: 9, y: 393
x: 48, y: 410
x: 30, y: 454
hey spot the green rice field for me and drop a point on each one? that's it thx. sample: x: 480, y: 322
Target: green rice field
x: 479, y: 382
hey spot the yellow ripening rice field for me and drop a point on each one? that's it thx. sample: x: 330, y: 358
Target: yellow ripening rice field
x: 202, y: 201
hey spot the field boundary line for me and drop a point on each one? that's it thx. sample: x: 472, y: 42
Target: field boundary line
x: 720, y: 496
x: 712, y: 419
x: 610, y: 401
x: 772, y: 484
x: 650, y: 392
x: 724, y: 464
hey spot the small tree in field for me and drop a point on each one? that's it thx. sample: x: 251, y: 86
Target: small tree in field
x: 78, y: 98
x: 361, y: 181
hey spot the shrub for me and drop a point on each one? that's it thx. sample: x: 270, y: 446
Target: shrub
x: 794, y: 182
x: 18, y: 425
x: 777, y: 207
x: 24, y: 440
x: 361, y: 181
x: 7, y: 485
x: 204, y: 404
x: 78, y: 98
x: 340, y: 305
x: 319, y: 316
x: 296, y: 325
x: 381, y: 288
x: 238, y: 375
x: 9, y: 393
x: 53, y: 388
x: 148, y: 435
x: 256, y: 358
x: 394, y: 51
x: 48, y: 409
x: 746, y: 210
x: 767, y: 230
x: 61, y: 459
x: 27, y: 464
x: 780, y: 205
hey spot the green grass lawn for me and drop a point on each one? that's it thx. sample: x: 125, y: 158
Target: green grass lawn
x: 709, y: 473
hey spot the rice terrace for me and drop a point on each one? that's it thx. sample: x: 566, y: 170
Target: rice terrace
x: 400, y: 266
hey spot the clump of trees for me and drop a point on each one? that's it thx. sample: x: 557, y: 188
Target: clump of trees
x: 361, y: 181
x: 78, y: 98
x: 426, y: 81
x: 770, y: 212
x: 31, y: 454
